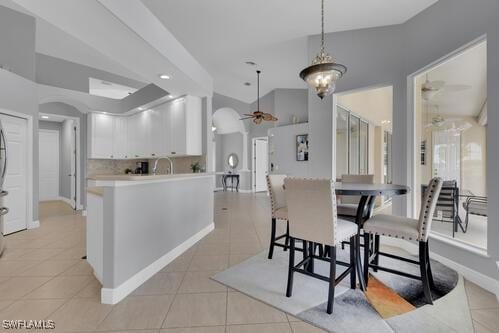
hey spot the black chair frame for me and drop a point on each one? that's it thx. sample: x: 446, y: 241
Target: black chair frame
x: 327, y: 254
x: 274, y: 239
x: 371, y: 260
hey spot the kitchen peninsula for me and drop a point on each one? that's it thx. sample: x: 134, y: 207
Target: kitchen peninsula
x: 136, y: 225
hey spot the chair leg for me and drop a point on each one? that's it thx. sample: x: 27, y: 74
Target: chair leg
x: 376, y: 250
x: 272, y: 239
x: 332, y: 278
x: 311, y: 252
x: 289, y: 289
x: 423, y: 267
x: 428, y: 263
x: 367, y: 245
x: 286, y: 240
x: 353, y: 262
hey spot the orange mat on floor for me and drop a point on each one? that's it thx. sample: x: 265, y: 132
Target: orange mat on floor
x: 386, y: 301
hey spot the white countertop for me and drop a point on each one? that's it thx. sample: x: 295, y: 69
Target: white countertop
x: 132, y: 179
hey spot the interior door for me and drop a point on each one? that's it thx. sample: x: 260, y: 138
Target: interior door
x: 48, y: 165
x: 16, y: 179
x: 261, y: 165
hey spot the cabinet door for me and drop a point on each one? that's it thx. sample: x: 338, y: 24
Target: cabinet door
x: 143, y: 134
x: 120, y: 137
x: 159, y: 133
x: 101, y: 136
x: 177, y: 127
x: 132, y: 129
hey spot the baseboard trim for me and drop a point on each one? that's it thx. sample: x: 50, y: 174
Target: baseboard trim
x: 220, y: 189
x: 66, y: 200
x: 33, y: 224
x: 115, y: 295
x: 84, y: 212
x: 477, y: 278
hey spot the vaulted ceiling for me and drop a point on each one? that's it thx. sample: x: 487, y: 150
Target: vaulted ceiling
x: 223, y: 34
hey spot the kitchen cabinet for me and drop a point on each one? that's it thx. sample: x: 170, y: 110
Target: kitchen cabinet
x: 120, y: 148
x: 100, y: 142
x: 184, y: 121
x: 171, y: 129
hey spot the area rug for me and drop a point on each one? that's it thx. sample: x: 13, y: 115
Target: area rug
x: 265, y: 280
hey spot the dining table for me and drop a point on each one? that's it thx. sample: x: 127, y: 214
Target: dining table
x: 365, y: 209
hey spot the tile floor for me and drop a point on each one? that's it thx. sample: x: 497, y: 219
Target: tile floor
x: 42, y: 276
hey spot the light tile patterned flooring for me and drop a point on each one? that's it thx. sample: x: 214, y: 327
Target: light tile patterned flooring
x: 42, y: 276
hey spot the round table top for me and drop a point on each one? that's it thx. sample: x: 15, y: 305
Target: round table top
x: 370, y: 189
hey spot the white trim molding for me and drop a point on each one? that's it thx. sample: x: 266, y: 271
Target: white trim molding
x: 115, y: 295
x: 33, y: 224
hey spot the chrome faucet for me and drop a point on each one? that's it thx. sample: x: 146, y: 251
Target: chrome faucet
x: 155, y: 167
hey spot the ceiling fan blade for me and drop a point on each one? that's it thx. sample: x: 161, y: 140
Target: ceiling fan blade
x: 246, y: 118
x: 456, y: 87
x: 267, y: 117
x: 248, y: 114
x: 434, y: 85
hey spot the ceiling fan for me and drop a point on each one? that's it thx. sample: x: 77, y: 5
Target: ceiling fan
x: 430, y: 89
x: 259, y: 116
x: 439, y: 123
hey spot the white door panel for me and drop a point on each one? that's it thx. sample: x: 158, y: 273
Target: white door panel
x: 48, y: 165
x: 16, y: 133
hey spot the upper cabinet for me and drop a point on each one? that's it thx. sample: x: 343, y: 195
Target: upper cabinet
x: 100, y: 140
x: 170, y: 129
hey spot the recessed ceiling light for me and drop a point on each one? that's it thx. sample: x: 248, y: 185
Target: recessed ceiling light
x: 247, y: 84
x: 45, y: 117
x: 141, y: 108
x: 164, y: 76
x: 384, y: 122
x: 250, y: 63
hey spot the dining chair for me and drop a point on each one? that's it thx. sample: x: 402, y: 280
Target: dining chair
x: 347, y: 205
x: 275, y: 186
x: 313, y: 219
x: 408, y: 229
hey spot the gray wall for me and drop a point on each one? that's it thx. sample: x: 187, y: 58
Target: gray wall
x: 67, y: 136
x: 282, y: 150
x: 68, y: 110
x: 289, y: 103
x: 69, y: 75
x: 387, y: 55
x: 17, y: 40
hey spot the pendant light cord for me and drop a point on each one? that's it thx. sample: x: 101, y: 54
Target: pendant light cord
x: 258, y: 90
x: 322, y: 27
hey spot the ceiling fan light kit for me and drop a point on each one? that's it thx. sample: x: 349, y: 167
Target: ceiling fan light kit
x: 324, y: 71
x: 258, y: 116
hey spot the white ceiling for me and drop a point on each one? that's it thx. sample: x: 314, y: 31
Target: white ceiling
x: 223, y: 34
x: 108, y: 89
x: 467, y: 69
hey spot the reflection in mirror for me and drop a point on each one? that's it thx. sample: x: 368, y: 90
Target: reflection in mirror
x: 233, y: 160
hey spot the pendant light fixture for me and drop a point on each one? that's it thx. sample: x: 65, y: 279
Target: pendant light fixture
x: 324, y: 71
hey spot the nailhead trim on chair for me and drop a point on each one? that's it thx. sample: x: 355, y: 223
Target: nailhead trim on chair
x: 272, y: 199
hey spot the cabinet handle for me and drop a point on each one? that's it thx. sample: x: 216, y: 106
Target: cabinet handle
x: 112, y: 156
x: 153, y: 154
x: 136, y: 155
x: 173, y: 152
x: 126, y: 156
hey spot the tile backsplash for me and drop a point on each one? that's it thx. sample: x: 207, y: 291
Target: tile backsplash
x: 116, y: 167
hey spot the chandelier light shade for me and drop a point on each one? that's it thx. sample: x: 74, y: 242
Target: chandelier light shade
x: 324, y: 71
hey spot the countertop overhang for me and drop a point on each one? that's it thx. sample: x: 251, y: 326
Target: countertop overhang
x: 132, y: 180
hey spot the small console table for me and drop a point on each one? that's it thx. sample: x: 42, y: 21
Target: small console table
x: 234, y: 178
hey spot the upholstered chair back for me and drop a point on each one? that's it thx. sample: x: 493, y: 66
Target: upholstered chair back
x: 275, y: 186
x: 428, y: 207
x: 355, y: 179
x: 311, y: 209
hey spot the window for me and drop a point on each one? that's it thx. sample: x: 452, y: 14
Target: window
x: 352, y: 144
